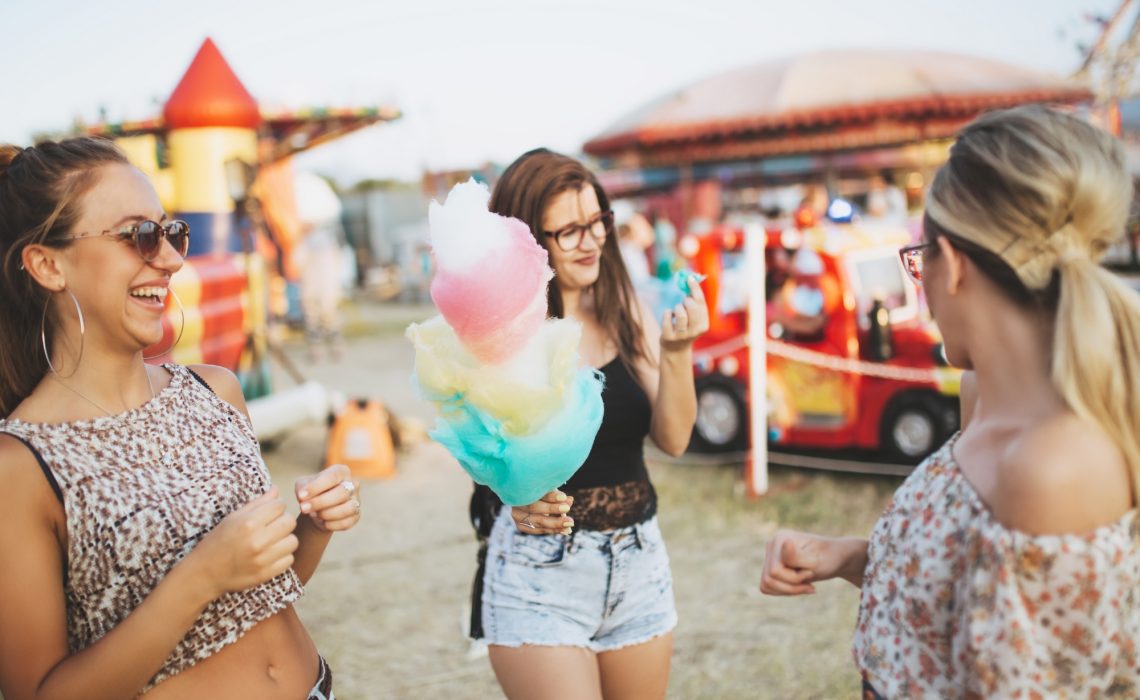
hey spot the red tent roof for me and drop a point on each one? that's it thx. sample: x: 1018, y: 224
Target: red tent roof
x: 820, y: 97
x: 210, y: 94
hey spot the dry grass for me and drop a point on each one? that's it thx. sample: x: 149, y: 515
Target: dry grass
x: 733, y: 642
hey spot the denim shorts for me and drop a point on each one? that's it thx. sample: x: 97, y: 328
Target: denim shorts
x: 598, y: 590
x: 322, y: 689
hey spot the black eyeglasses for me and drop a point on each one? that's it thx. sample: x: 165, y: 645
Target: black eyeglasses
x: 147, y: 236
x: 570, y: 237
x: 913, y: 257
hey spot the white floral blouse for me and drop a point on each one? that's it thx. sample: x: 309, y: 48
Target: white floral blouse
x: 956, y: 605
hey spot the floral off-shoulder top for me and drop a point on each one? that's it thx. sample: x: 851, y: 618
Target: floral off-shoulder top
x: 956, y: 605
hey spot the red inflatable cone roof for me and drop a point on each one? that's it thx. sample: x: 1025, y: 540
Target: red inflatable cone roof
x: 210, y: 94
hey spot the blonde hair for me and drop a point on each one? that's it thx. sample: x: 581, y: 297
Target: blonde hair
x: 1049, y: 193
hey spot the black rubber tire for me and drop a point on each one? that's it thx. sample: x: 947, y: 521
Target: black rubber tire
x: 913, y: 426
x: 727, y: 398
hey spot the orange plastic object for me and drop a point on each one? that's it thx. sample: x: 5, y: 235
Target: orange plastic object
x: 359, y: 438
x: 805, y: 218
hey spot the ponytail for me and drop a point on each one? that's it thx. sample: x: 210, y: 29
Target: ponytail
x: 1096, y: 354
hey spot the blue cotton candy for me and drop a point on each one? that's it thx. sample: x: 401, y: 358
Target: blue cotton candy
x: 684, y: 279
x: 662, y: 295
x: 522, y: 469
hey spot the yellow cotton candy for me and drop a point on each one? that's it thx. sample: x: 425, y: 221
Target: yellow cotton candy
x: 524, y: 393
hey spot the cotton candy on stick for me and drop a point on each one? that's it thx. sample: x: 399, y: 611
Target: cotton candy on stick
x: 490, y: 283
x: 522, y: 394
x: 516, y: 410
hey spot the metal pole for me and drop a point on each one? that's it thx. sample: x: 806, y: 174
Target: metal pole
x: 756, y: 470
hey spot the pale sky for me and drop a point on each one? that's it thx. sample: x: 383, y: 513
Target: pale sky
x: 482, y: 80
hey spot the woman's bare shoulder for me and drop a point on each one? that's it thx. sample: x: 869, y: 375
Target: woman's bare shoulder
x: 222, y: 382
x: 1064, y: 475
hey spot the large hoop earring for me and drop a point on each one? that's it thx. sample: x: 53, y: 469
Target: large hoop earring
x: 181, y: 328
x: 43, y: 334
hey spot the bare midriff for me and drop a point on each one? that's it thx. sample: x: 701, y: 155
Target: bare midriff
x: 276, y: 660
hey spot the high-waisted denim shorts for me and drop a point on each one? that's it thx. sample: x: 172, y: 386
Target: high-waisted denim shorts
x: 598, y: 590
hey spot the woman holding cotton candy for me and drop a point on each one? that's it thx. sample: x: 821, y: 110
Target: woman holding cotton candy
x: 576, y: 596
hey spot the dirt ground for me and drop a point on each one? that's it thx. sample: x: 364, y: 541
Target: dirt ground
x: 388, y: 605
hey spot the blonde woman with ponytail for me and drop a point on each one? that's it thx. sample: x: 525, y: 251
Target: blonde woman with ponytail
x: 1007, y: 565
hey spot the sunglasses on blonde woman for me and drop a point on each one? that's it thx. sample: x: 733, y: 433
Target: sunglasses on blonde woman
x: 147, y: 236
x: 913, y: 258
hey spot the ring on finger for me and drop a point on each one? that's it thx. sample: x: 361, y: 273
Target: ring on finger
x: 526, y: 521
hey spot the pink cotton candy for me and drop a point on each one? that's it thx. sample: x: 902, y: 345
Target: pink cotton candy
x: 491, y: 305
x: 509, y: 340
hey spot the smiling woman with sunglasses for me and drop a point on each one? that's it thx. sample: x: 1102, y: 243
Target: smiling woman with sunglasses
x: 144, y: 549
x: 1008, y: 564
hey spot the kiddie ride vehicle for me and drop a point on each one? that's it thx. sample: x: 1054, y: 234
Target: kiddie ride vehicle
x: 853, y: 361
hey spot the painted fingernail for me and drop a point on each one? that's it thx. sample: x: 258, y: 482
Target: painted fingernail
x: 306, y: 507
x: 563, y: 508
x: 568, y: 522
x: 567, y: 531
x: 560, y: 497
x: 304, y: 494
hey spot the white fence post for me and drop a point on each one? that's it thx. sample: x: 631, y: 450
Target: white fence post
x: 756, y: 471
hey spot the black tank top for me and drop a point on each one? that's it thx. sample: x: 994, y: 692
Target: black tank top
x: 612, y: 489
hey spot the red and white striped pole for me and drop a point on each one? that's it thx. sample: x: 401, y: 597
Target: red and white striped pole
x: 756, y: 468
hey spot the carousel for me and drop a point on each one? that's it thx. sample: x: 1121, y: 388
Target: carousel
x: 819, y: 116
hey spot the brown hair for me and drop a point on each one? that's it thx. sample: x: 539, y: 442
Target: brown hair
x: 40, y: 188
x: 524, y: 191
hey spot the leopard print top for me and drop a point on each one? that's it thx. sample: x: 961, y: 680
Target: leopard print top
x: 140, y: 490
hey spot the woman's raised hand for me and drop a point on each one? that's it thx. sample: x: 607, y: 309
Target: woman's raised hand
x: 331, y: 498
x: 681, y: 325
